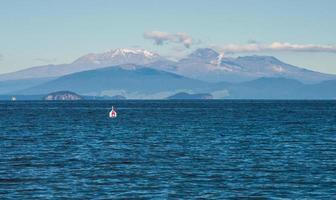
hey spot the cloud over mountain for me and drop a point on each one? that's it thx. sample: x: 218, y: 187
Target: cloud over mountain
x: 276, y: 46
x: 160, y: 38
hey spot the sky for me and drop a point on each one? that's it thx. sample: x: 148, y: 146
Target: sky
x: 40, y: 32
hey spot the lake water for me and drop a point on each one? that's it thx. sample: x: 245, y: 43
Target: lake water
x: 168, y: 150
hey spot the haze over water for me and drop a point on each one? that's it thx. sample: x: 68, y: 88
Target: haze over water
x: 168, y: 149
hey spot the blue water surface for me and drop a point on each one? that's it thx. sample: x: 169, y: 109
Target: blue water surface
x: 227, y: 149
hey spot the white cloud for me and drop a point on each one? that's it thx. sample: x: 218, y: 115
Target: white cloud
x: 276, y: 46
x: 161, y: 38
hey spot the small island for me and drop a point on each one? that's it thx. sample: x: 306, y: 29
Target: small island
x: 184, y: 95
x: 62, y: 96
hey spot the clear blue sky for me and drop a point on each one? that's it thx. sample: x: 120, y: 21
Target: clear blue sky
x: 38, y: 32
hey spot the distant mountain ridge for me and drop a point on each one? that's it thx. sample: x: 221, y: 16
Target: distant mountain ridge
x: 184, y: 95
x: 140, y: 82
x: 201, y: 72
x: 203, y: 64
x: 15, y: 85
x: 87, y: 62
x: 126, y: 80
x: 275, y: 88
x: 208, y: 65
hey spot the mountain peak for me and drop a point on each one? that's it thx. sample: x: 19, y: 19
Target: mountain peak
x: 118, y: 56
x: 128, y: 51
x: 204, y: 53
x: 204, y: 64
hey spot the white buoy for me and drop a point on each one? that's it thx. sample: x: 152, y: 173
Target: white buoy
x: 113, y: 113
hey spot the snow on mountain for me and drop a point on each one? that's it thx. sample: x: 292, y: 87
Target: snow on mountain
x: 205, y: 54
x: 118, y: 56
x: 203, y: 64
x: 87, y: 62
x: 208, y: 65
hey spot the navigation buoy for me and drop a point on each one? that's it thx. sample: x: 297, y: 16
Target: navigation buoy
x: 113, y: 113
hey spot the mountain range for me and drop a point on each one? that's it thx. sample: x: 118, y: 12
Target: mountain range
x: 204, y: 64
x: 128, y: 80
x: 137, y: 73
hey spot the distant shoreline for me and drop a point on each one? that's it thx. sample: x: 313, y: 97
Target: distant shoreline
x: 82, y: 100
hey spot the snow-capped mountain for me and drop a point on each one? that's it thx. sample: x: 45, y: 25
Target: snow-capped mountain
x: 203, y: 64
x: 206, y: 54
x: 118, y: 57
x: 87, y: 62
x: 208, y: 65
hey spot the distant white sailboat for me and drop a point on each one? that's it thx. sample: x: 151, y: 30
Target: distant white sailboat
x: 113, y: 113
x: 13, y: 98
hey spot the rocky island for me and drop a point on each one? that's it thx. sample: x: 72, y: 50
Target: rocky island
x: 63, y: 96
